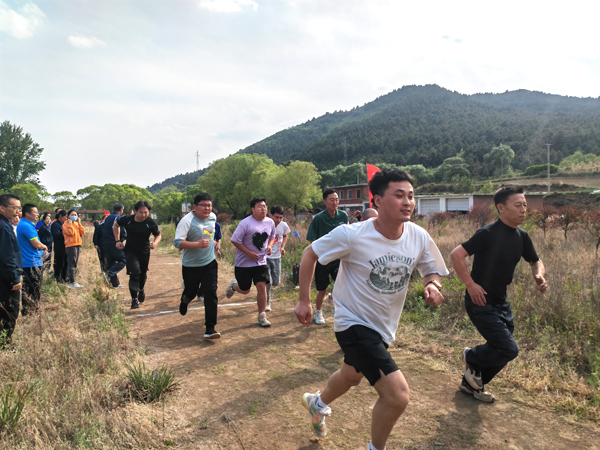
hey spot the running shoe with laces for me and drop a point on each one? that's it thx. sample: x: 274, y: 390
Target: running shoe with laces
x: 317, y: 418
x: 183, y: 306
x: 268, y: 307
x: 141, y: 296
x: 212, y: 334
x: 229, y: 291
x: 329, y: 299
x: 479, y: 394
x: 472, y: 377
x: 134, y: 303
x: 74, y: 285
x: 262, y: 320
x: 318, y: 317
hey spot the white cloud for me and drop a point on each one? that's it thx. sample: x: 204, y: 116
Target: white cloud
x: 227, y: 6
x: 85, y: 42
x: 20, y: 24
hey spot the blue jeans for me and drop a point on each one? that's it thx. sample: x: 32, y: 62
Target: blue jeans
x: 496, y: 324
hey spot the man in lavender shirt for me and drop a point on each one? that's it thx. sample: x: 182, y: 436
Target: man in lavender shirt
x: 253, y: 238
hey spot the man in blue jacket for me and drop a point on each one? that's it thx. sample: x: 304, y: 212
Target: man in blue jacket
x: 115, y: 258
x: 10, y: 268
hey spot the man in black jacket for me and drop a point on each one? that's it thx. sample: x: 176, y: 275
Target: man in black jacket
x: 115, y: 258
x: 10, y: 268
x: 60, y: 253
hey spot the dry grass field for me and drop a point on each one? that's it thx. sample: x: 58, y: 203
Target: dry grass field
x: 73, y: 364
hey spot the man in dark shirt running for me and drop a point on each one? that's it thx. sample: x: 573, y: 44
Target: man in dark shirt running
x: 115, y: 258
x: 497, y: 247
x: 139, y: 227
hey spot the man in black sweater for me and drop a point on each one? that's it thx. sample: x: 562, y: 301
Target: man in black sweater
x: 497, y: 247
x: 115, y: 257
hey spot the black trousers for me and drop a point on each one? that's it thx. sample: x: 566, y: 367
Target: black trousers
x: 32, y: 289
x: 9, y: 310
x: 115, y: 258
x: 496, y: 324
x: 102, y: 259
x: 208, y: 277
x: 60, y: 264
x: 137, y: 269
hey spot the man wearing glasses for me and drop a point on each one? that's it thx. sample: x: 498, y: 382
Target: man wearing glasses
x: 10, y: 268
x: 32, y: 252
x: 196, y: 237
x: 322, y: 224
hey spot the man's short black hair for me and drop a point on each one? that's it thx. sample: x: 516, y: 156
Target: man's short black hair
x: 27, y: 208
x: 256, y: 200
x: 141, y: 204
x: 60, y: 213
x: 6, y: 198
x: 118, y: 207
x: 381, y: 180
x: 503, y: 193
x: 202, y: 197
x: 276, y: 210
x: 327, y: 192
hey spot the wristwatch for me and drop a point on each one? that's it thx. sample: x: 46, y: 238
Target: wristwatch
x: 437, y: 284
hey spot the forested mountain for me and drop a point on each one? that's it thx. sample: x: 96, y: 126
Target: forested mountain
x: 179, y: 181
x: 426, y: 124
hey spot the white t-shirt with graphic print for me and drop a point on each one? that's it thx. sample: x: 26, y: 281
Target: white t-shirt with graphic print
x: 280, y: 231
x: 371, y: 285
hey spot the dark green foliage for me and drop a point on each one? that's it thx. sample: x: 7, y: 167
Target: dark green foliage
x: 179, y: 181
x: 12, y: 404
x: 540, y: 169
x: 19, y: 157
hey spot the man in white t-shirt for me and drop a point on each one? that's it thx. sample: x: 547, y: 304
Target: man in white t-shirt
x: 377, y: 259
x: 274, y: 259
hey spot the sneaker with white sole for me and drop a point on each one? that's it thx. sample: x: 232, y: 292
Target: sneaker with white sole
x: 329, y: 299
x: 317, y: 418
x: 229, y: 291
x: 472, y: 377
x: 318, y: 317
x: 479, y: 394
x: 74, y: 285
x: 262, y: 320
x: 212, y: 334
x: 268, y: 307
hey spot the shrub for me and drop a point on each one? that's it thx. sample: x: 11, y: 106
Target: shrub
x: 545, y: 218
x: 223, y: 218
x: 12, y: 404
x: 540, y: 169
x: 568, y: 218
x: 482, y: 215
x: 151, y: 385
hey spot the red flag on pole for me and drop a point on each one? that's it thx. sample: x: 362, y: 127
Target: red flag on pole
x: 371, y: 170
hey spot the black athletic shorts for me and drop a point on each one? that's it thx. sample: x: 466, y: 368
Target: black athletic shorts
x: 246, y: 275
x: 365, y: 351
x: 323, y: 272
x: 137, y: 263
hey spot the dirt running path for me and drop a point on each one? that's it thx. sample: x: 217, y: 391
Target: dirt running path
x: 243, y: 391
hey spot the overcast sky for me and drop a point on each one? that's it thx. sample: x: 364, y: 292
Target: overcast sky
x: 127, y: 91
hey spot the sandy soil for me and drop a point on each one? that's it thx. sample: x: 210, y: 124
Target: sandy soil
x: 243, y: 391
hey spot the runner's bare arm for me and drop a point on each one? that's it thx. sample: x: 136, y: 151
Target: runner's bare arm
x: 283, y: 242
x: 476, y: 292
x: 242, y: 248
x: 270, y: 246
x: 303, y: 309
x: 155, y: 243
x: 432, y: 294
x: 539, y: 272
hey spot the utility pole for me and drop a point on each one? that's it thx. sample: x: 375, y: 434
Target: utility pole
x: 345, y: 151
x: 548, y: 145
x: 197, y: 161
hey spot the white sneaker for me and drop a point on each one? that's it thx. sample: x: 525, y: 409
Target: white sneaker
x: 473, y: 378
x: 317, y: 418
x: 262, y: 320
x: 268, y: 308
x: 229, y: 291
x: 318, y: 317
x: 74, y: 285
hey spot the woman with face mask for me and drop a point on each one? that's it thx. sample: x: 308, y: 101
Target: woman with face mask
x: 72, y: 231
x: 45, y: 235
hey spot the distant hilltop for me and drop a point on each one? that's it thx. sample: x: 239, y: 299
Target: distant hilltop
x: 427, y: 124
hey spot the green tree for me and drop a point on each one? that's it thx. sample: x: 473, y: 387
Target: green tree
x: 499, y: 160
x: 295, y: 186
x: 452, y: 169
x: 64, y: 200
x: 29, y: 193
x: 487, y: 188
x: 168, y: 206
x: 104, y: 197
x: 465, y: 186
x: 233, y: 181
x: 19, y: 157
